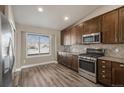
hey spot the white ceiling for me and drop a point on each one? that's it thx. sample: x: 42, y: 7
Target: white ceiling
x: 53, y: 15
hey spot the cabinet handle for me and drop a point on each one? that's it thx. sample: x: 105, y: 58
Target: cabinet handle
x: 116, y: 39
x: 103, y: 76
x: 103, y: 66
x: 103, y: 71
x: 121, y: 65
x: 103, y: 61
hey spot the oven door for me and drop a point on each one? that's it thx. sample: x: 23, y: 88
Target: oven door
x: 87, y: 66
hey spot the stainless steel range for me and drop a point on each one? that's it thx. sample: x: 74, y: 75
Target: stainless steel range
x: 87, y: 63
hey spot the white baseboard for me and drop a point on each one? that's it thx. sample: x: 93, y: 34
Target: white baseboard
x: 33, y: 65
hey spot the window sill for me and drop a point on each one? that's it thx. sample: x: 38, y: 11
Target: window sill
x: 34, y: 56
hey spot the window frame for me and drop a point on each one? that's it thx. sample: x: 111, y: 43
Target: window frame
x: 38, y: 54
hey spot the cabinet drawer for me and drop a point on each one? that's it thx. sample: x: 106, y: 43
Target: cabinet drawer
x: 105, y: 78
x: 105, y: 81
x: 103, y: 64
x: 118, y: 65
x: 104, y: 72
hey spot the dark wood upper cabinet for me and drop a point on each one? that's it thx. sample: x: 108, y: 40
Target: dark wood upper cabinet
x: 65, y: 37
x: 71, y: 36
x: 62, y: 37
x: 110, y: 24
x: 2, y: 8
x: 110, y: 27
x: 75, y: 35
x: 121, y: 25
x: 92, y: 25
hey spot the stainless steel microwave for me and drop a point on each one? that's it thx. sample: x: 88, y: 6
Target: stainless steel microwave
x: 91, y: 38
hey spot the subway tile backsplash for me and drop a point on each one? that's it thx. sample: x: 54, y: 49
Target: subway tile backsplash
x: 113, y: 50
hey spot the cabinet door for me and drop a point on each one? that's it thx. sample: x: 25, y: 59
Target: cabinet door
x: 110, y: 27
x: 64, y: 58
x: 62, y: 37
x: 67, y: 38
x: 69, y: 60
x: 79, y: 30
x: 75, y: 35
x: 59, y: 57
x: 2, y: 8
x: 118, y: 74
x: 92, y: 25
x: 75, y: 63
x: 121, y: 25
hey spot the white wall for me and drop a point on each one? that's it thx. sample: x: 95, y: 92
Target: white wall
x: 22, y: 60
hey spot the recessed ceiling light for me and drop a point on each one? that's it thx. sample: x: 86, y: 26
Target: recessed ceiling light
x: 40, y: 9
x: 66, y: 18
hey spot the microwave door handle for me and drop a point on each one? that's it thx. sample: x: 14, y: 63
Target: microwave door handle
x: 93, y: 38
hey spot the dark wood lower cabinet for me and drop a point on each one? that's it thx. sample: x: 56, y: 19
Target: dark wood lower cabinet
x: 110, y: 73
x: 117, y: 74
x: 68, y: 60
x: 104, y: 72
x: 74, y: 62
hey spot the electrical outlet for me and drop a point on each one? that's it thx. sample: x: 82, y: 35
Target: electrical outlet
x: 116, y: 50
x: 24, y: 61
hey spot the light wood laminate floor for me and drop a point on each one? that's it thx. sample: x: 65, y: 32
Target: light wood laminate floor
x: 51, y: 75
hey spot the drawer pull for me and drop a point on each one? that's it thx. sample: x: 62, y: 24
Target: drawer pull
x: 121, y: 65
x: 103, y: 61
x: 103, y: 71
x: 103, y: 66
x: 103, y: 76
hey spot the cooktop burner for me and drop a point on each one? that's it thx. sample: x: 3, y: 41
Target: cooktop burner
x: 91, y: 55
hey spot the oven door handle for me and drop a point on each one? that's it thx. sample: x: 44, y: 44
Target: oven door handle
x: 86, y: 60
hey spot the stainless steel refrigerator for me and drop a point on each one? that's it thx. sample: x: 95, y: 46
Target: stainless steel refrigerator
x: 7, y: 57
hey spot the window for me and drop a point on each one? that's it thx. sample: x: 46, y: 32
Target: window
x: 37, y: 44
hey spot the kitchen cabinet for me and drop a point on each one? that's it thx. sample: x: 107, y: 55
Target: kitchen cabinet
x: 65, y: 37
x: 76, y: 35
x: 110, y: 24
x: 68, y: 60
x: 62, y: 37
x: 61, y: 57
x: 117, y: 74
x: 110, y: 27
x: 2, y: 9
x: 104, y: 72
x: 110, y: 73
x: 121, y: 25
x: 92, y: 25
x: 74, y: 62
x: 71, y: 36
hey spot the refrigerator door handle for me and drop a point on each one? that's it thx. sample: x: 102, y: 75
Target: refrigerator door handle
x: 11, y: 55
